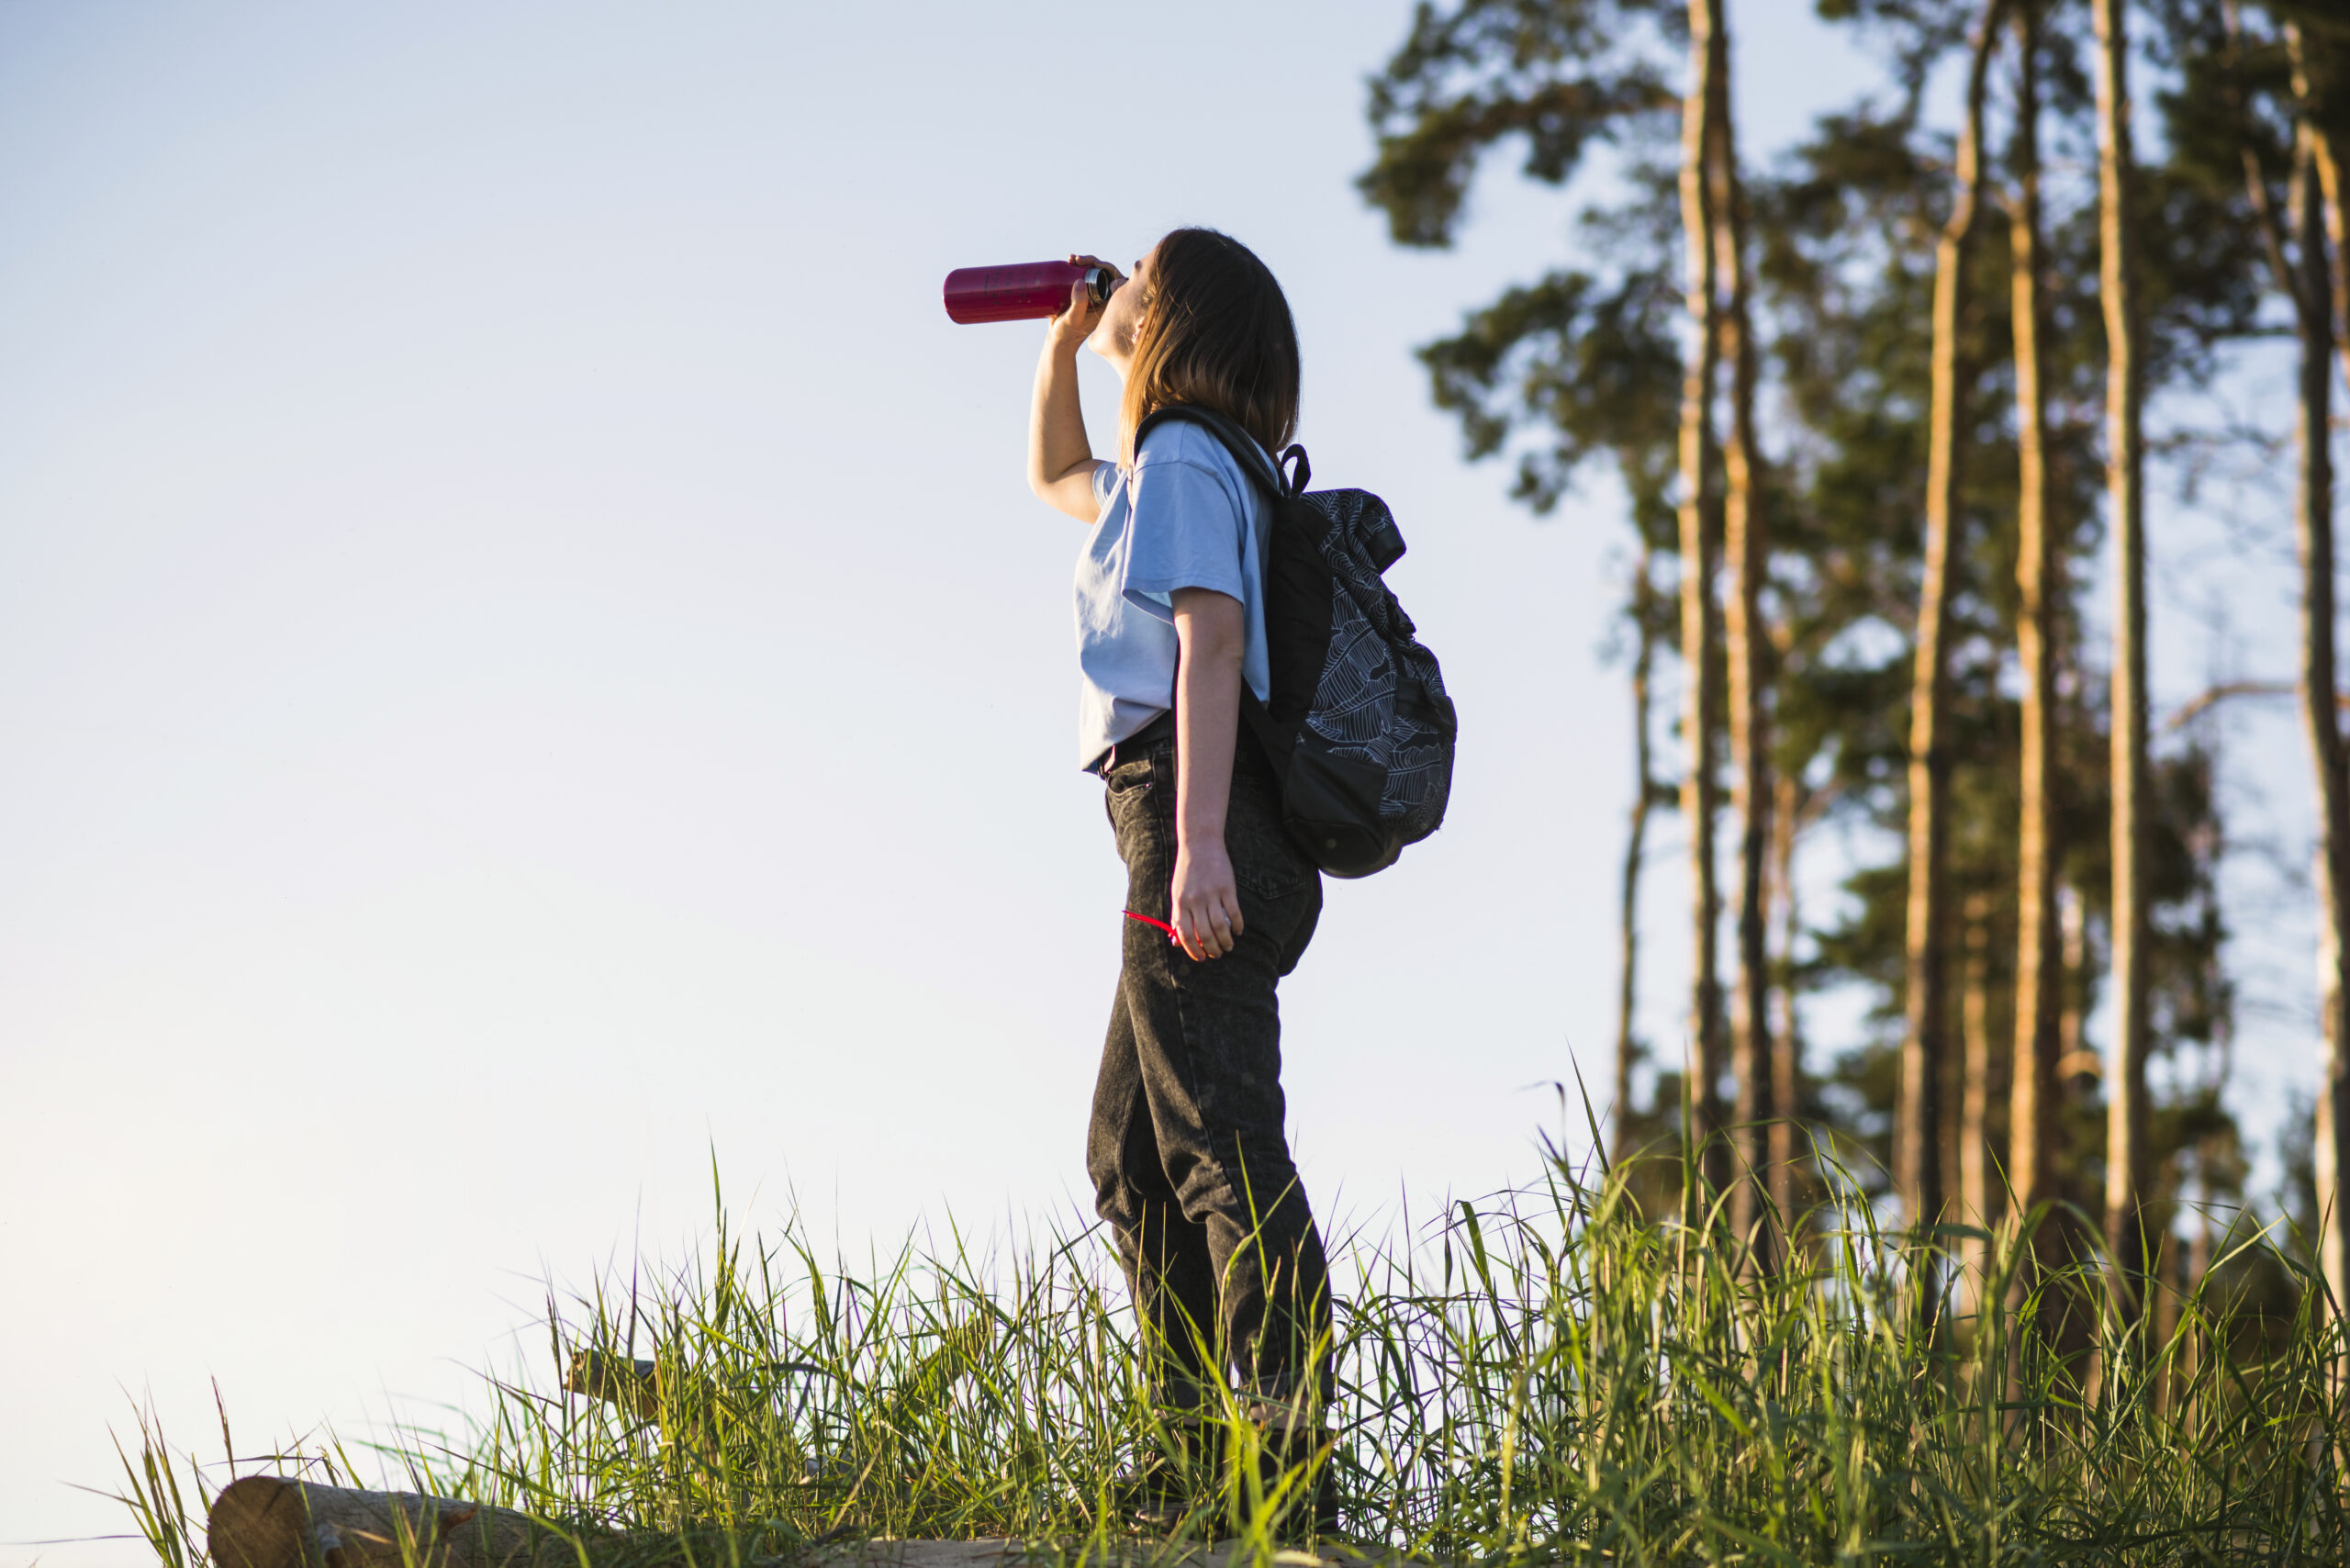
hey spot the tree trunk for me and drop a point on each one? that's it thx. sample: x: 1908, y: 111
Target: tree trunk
x: 2307, y: 281
x: 2198, y: 1265
x: 1634, y: 849
x: 2321, y: 277
x: 1745, y: 554
x: 1706, y: 59
x: 2314, y: 532
x: 2072, y: 990
x: 2329, y: 176
x: 1978, y: 1191
x: 1925, y: 1011
x: 2032, y: 1105
x: 1786, y: 1040
x: 264, y: 1521
x: 2125, y: 1086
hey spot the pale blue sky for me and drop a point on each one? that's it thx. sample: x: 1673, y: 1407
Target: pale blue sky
x: 526, y: 658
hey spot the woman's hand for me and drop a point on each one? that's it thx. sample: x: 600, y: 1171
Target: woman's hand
x: 1205, y: 900
x: 1080, y: 315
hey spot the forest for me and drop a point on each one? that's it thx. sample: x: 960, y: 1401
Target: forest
x: 1880, y: 411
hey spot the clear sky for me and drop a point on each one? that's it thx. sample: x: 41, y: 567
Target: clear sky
x: 527, y: 663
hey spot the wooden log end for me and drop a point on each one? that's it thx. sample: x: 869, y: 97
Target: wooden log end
x: 268, y: 1521
x: 257, y: 1522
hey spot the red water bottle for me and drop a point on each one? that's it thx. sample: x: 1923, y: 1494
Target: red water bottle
x: 1023, y: 292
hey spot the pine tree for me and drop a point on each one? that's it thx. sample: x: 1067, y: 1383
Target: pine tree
x: 2125, y: 1084
x: 2032, y: 1113
x: 1926, y: 1009
x: 1745, y: 544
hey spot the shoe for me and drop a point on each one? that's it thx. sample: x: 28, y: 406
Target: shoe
x: 1302, y: 1460
x: 1165, y: 1489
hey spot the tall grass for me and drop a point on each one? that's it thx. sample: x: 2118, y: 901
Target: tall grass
x: 1549, y: 1375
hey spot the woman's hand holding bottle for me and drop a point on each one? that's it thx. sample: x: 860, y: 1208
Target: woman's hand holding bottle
x: 1083, y: 313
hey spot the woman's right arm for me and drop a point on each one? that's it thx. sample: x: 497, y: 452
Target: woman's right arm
x: 1060, y: 460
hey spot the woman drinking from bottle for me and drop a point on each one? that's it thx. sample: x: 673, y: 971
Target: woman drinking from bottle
x: 1186, y: 1150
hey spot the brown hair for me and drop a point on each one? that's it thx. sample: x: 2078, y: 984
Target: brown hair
x: 1216, y: 332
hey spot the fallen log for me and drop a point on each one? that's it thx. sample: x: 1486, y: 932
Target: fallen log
x: 267, y: 1521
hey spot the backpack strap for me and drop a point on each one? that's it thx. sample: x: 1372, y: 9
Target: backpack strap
x: 1269, y: 476
x: 1275, y: 483
x: 1294, y: 455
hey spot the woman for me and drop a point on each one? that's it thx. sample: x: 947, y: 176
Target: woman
x: 1186, y: 1152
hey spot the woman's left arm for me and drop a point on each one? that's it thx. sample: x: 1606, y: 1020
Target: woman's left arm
x: 1211, y: 633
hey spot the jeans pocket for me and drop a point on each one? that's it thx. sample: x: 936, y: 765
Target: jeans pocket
x: 1265, y: 861
x: 1131, y: 799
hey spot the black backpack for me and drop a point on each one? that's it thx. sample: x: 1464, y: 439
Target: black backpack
x: 1358, y: 730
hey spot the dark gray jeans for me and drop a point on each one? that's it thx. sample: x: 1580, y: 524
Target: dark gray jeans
x: 1186, y: 1153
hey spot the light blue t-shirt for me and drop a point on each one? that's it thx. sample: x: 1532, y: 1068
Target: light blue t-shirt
x: 1186, y: 517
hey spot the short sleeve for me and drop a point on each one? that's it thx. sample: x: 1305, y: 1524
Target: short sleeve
x: 1187, y: 533
x: 1106, y: 486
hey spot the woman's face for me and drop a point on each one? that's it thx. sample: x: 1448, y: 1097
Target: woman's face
x: 1113, y: 335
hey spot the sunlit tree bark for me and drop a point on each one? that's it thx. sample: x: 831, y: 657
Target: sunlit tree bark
x: 2314, y: 533
x: 1977, y: 1174
x: 1634, y: 849
x: 1786, y: 1040
x: 1707, y: 61
x: 2125, y: 1086
x: 2033, y: 1104
x: 1924, y: 1008
x: 2323, y: 290
x: 1745, y: 554
x: 2326, y: 149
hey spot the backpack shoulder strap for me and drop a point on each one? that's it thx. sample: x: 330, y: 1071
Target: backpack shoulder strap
x: 1274, y: 482
x: 1243, y: 447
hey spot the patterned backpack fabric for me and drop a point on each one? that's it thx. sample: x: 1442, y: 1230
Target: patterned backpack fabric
x: 1359, y: 729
